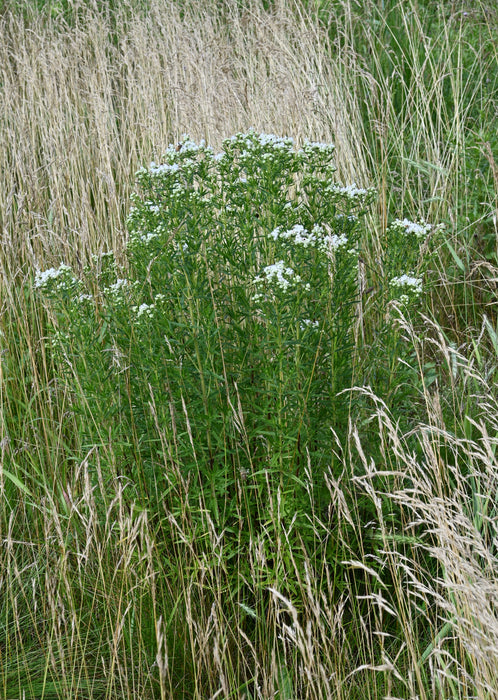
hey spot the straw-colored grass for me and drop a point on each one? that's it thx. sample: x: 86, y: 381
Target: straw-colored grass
x: 81, y: 112
x: 100, y: 596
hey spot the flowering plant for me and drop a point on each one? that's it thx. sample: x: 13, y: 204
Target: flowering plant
x: 224, y: 345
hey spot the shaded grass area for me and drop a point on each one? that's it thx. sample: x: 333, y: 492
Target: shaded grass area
x: 106, y: 593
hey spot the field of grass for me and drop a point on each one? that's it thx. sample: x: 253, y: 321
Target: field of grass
x: 234, y: 461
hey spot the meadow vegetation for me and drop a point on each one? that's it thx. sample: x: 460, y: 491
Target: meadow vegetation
x: 249, y: 349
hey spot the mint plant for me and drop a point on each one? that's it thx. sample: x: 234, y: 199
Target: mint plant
x: 219, y: 351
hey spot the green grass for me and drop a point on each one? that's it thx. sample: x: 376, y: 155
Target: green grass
x: 220, y: 500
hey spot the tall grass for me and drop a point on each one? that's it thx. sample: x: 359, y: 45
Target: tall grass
x: 85, y: 108
x: 104, y: 594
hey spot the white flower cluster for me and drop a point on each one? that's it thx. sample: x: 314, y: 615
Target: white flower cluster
x: 264, y: 147
x: 59, y: 278
x: 407, y: 282
x: 284, y: 276
x: 180, y: 163
x: 349, y: 220
x: 147, y: 310
x: 119, y: 293
x: 186, y: 147
x: 148, y: 237
x: 85, y: 297
x: 351, y: 192
x: 59, y: 340
x: 314, y: 238
x: 312, y: 147
x: 275, y: 141
x: 153, y: 208
x: 334, y: 241
x: 308, y: 323
x: 161, y: 169
x: 253, y: 139
x: 420, y: 229
x: 298, y: 235
x: 107, y: 257
x: 143, y: 310
x: 118, y: 287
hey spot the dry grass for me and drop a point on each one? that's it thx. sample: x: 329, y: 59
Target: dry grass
x: 84, y: 105
x: 83, y: 575
x: 447, y: 488
x: 81, y: 112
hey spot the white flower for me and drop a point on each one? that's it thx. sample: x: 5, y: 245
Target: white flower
x: 275, y: 141
x: 333, y: 241
x: 308, y: 323
x: 152, y: 207
x: 352, y: 192
x: 85, y: 297
x: 280, y: 274
x: 349, y: 219
x: 310, y: 147
x: 252, y: 141
x: 109, y: 256
x: 143, y: 310
x: 414, y: 284
x: 420, y: 229
x: 163, y: 169
x: 119, y: 291
x: 148, y: 237
x: 186, y: 145
x: 298, y: 234
x: 61, y: 276
x: 117, y: 286
x: 42, y: 277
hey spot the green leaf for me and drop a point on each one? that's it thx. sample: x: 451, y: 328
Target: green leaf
x: 425, y: 166
x: 249, y: 611
x: 286, y: 686
x: 492, y: 334
x: 458, y: 260
x: 17, y: 482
